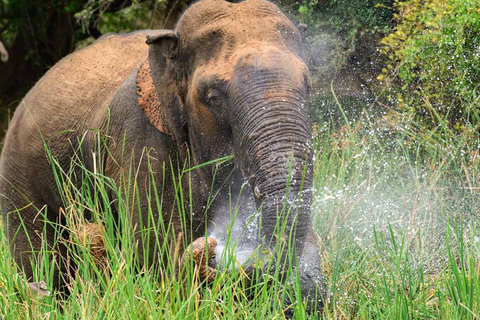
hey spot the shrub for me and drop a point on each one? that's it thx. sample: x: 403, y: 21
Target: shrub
x: 433, y: 64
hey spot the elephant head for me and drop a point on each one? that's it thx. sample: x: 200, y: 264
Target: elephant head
x: 234, y: 82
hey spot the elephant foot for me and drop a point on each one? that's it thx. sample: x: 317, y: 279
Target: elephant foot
x: 198, y: 252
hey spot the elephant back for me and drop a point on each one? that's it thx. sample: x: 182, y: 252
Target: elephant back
x: 61, y: 107
x: 81, y: 83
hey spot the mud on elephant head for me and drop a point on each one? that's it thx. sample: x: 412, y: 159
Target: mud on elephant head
x: 229, y: 79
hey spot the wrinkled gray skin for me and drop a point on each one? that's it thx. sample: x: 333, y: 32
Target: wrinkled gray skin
x: 231, y: 80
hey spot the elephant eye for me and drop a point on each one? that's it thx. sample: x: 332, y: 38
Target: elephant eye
x: 212, y: 95
x: 214, y: 100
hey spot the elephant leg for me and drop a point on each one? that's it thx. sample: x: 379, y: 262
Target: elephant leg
x: 36, y: 241
x: 152, y: 211
x: 159, y: 233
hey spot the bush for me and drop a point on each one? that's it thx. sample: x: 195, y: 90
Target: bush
x: 433, y: 64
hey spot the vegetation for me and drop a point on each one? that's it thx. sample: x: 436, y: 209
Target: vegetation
x: 396, y: 185
x: 433, y: 61
x: 399, y: 241
x: 113, y: 278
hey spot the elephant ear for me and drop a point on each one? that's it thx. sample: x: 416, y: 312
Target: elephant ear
x: 148, y: 99
x: 162, y: 48
x: 162, y: 54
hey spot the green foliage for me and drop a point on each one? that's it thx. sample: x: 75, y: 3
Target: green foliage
x: 347, y: 21
x: 434, y: 61
x: 341, y: 49
x: 136, y: 16
x: 352, y: 17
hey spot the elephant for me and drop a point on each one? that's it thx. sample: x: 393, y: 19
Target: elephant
x: 230, y: 79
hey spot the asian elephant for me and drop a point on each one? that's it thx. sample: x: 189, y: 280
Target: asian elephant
x: 228, y: 80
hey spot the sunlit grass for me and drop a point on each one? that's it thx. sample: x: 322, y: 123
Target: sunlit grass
x: 396, y: 207
x: 395, y: 210
x: 120, y: 282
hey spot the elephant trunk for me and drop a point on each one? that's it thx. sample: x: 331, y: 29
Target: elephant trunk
x: 273, y: 143
x: 273, y: 150
x: 279, y: 169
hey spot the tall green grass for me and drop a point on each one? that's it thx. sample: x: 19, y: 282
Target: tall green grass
x: 123, y: 284
x: 395, y: 210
